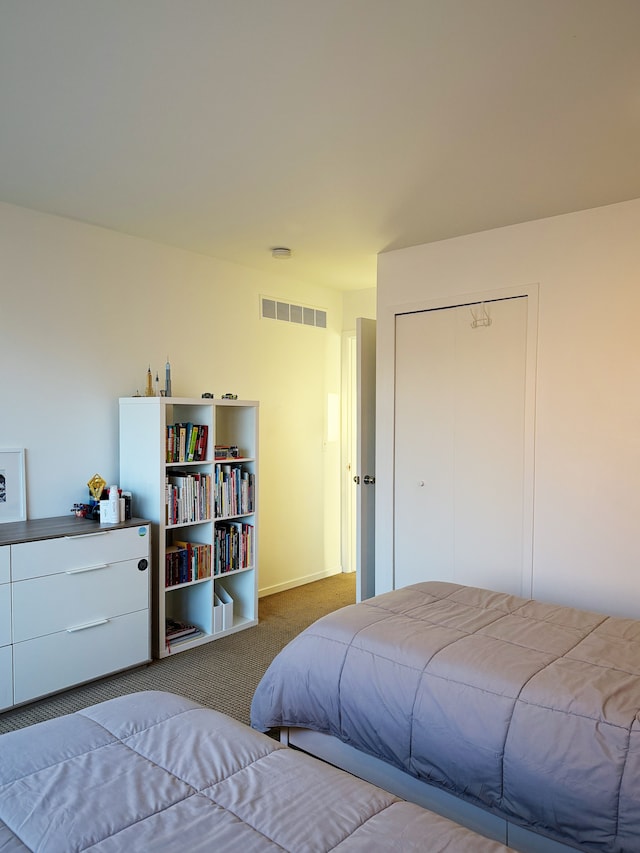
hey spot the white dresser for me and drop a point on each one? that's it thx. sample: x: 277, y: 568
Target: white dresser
x: 74, y: 603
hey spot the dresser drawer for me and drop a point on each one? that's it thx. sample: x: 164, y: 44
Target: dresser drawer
x: 6, y: 677
x: 50, y: 556
x: 5, y: 563
x: 78, y: 597
x: 5, y: 615
x: 57, y: 661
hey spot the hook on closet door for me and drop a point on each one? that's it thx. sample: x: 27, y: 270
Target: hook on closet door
x: 480, y: 316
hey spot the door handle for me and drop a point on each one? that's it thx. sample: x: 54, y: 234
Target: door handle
x: 369, y: 480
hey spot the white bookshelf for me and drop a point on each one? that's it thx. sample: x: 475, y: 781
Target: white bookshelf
x: 145, y: 472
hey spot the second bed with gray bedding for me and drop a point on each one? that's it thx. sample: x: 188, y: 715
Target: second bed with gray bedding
x: 529, y: 710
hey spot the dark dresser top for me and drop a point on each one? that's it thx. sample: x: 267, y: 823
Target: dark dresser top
x: 31, y: 530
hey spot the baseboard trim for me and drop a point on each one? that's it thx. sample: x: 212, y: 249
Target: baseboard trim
x: 281, y: 587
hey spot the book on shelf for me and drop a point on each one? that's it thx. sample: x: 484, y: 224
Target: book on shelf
x: 177, y: 632
x: 201, y: 445
x: 186, y: 562
x: 187, y: 496
x: 171, y: 442
x: 186, y: 442
x: 174, y: 629
x: 182, y: 441
x: 176, y: 566
x: 233, y: 490
x: 175, y: 641
x: 198, y: 558
x: 175, y: 435
x: 191, y: 441
x: 234, y: 544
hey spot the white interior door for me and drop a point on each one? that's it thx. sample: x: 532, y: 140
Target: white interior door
x: 460, y: 393
x: 364, y: 477
x: 350, y: 422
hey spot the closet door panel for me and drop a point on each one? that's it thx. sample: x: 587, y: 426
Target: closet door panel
x: 489, y: 441
x: 459, y: 445
x: 424, y: 447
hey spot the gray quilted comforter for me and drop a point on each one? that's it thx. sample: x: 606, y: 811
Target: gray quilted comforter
x: 155, y: 772
x: 527, y: 709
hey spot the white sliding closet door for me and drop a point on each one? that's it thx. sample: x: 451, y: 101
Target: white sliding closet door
x: 459, y: 445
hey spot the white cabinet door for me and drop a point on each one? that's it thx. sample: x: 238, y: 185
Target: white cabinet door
x: 459, y: 445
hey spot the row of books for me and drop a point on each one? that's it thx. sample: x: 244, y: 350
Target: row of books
x: 234, y: 545
x: 186, y: 562
x: 187, y: 497
x: 187, y: 442
x: 233, y: 491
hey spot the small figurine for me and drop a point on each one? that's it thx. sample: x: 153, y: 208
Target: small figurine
x: 96, y: 486
x: 167, y: 381
x: 149, y: 389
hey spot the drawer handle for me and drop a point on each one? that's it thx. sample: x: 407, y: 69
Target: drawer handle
x: 85, y: 535
x: 88, y: 625
x: 87, y: 569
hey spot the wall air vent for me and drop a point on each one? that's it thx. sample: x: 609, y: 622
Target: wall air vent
x: 302, y: 315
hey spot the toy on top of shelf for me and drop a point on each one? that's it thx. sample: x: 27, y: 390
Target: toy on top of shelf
x: 167, y: 381
x: 148, y: 391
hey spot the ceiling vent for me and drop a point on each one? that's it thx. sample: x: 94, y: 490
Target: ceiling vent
x: 302, y: 315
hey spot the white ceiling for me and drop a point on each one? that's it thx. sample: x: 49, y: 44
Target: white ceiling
x: 339, y: 128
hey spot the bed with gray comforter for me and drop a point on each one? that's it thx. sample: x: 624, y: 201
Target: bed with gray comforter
x: 525, y: 709
x: 155, y: 772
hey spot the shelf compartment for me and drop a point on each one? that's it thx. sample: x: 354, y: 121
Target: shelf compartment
x: 191, y: 603
x: 241, y: 588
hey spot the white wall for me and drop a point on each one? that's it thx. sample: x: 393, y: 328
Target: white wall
x: 586, y: 548
x: 84, y: 311
x: 358, y: 303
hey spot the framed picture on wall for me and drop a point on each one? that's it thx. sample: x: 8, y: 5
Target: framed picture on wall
x: 13, y: 498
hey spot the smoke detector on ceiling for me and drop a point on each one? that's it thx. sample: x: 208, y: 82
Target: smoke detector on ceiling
x: 280, y: 252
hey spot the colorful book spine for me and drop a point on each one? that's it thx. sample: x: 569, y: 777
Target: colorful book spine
x: 233, y: 547
x: 188, y: 497
x: 234, y: 491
